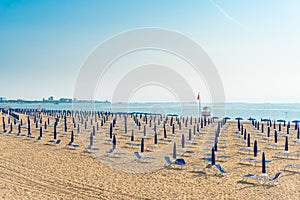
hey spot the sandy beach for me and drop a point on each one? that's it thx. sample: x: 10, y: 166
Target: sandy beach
x: 156, y: 100
x: 32, y: 169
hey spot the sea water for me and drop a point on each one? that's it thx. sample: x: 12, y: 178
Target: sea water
x: 288, y: 111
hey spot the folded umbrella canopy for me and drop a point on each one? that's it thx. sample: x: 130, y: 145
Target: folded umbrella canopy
x: 239, y: 122
x: 264, y: 170
x: 286, y: 146
x: 155, y: 138
x: 255, y: 148
x: 174, y: 150
x: 182, y: 141
x: 114, y: 142
x: 213, y: 156
x: 248, y: 140
x: 142, y: 146
x: 110, y: 130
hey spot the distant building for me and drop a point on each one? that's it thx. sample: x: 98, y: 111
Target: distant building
x: 2, y: 99
x: 65, y: 100
x: 51, y: 98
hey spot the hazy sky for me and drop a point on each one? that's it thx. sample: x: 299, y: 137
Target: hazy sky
x: 254, y: 44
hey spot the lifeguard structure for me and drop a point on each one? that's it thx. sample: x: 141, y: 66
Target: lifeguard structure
x: 206, y: 113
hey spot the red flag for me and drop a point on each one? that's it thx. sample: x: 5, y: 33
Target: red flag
x: 198, y: 97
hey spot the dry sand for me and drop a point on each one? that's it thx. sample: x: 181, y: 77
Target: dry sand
x: 37, y: 170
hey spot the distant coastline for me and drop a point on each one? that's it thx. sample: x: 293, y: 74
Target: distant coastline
x: 54, y: 101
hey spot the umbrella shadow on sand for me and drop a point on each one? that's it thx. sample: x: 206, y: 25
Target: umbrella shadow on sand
x: 252, y: 185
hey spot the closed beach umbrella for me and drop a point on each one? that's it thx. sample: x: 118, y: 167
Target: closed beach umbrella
x: 275, y: 136
x: 216, y: 146
x: 72, y: 138
x: 11, y: 128
x: 65, y: 124
x: 269, y: 130
x: 125, y: 125
x: 154, y: 128
x: 142, y: 146
x: 114, y: 142
x: 3, y: 125
x: 262, y: 128
x: 213, y: 156
x: 54, y: 132
x: 288, y: 131
x: 279, y: 127
x: 182, y: 141
x: 255, y: 148
x: 173, y: 128
x: 132, y: 136
x: 28, y: 127
x: 19, y: 129
x: 190, y: 134
x: 248, y: 141
x: 245, y: 135
x: 216, y: 138
x: 144, y: 130
x: 155, y: 138
x: 110, y: 130
x: 219, y: 127
x: 174, y: 150
x: 286, y: 146
x: 298, y: 134
x: 41, y: 133
x: 264, y: 170
x: 242, y: 129
x: 91, y: 140
x: 165, y: 132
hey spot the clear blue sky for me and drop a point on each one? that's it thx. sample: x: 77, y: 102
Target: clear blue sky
x: 255, y: 44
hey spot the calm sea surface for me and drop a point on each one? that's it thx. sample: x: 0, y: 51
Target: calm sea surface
x: 245, y: 110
